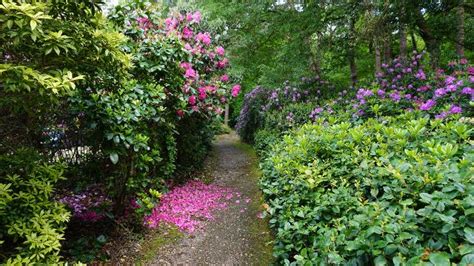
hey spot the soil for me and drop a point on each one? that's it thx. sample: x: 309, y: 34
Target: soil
x: 237, y: 236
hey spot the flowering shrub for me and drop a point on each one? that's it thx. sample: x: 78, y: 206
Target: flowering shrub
x: 403, y: 88
x: 396, y: 190
x: 263, y: 104
x: 378, y: 176
x: 117, y: 100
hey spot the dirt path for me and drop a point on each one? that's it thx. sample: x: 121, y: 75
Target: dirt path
x: 237, y: 236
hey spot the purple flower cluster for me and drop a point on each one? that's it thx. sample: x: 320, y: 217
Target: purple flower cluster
x: 88, y: 205
x: 409, y: 87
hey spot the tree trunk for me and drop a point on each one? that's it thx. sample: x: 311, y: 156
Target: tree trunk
x: 413, y: 41
x: 351, y: 53
x: 403, y: 35
x: 432, y: 44
x: 460, y: 35
x: 387, y: 49
x: 378, y: 58
x: 316, y: 57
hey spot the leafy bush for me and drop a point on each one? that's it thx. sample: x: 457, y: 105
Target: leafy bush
x: 394, y: 190
x: 31, y: 223
x: 264, y: 139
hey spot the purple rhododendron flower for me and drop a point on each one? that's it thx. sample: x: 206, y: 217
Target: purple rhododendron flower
x: 428, y: 105
x: 455, y: 109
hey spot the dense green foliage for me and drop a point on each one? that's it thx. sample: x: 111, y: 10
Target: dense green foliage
x: 31, y: 223
x: 393, y: 189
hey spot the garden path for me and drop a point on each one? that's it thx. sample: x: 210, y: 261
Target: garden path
x: 237, y: 236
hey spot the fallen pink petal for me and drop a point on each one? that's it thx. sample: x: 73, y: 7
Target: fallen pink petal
x: 189, y: 205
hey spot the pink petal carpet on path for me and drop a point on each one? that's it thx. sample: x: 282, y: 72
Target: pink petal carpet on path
x: 189, y: 205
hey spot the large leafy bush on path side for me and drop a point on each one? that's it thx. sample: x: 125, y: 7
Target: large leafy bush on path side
x: 395, y: 189
x: 46, y: 58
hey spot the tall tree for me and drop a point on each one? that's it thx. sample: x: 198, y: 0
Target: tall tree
x: 460, y: 35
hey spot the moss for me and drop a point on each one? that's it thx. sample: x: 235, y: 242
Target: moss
x: 155, y: 240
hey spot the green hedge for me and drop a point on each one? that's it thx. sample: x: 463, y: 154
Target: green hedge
x: 394, y: 190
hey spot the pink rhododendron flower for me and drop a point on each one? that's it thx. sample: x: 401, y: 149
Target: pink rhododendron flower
x: 202, y: 93
x: 192, y: 100
x: 220, y: 50
x: 188, y: 47
x: 204, y: 38
x: 224, y: 78
x: 180, y: 113
x: 144, y: 23
x: 223, y: 63
x: 171, y: 23
x: 185, y: 65
x: 187, y: 33
x: 194, y: 17
x: 190, y: 73
x: 235, y: 90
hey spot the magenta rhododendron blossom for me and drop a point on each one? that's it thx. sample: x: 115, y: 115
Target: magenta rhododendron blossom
x: 220, y: 50
x: 144, y: 23
x: 235, y: 90
x: 187, y: 33
x: 185, y: 65
x: 224, y: 78
x: 188, y: 205
x: 204, y: 38
x: 194, y: 17
x: 190, y: 73
x: 192, y: 100
x: 223, y: 63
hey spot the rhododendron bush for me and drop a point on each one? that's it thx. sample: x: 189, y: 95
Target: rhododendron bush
x: 374, y: 175
x: 178, y: 53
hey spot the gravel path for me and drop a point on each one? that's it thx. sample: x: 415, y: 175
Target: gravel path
x: 237, y: 236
